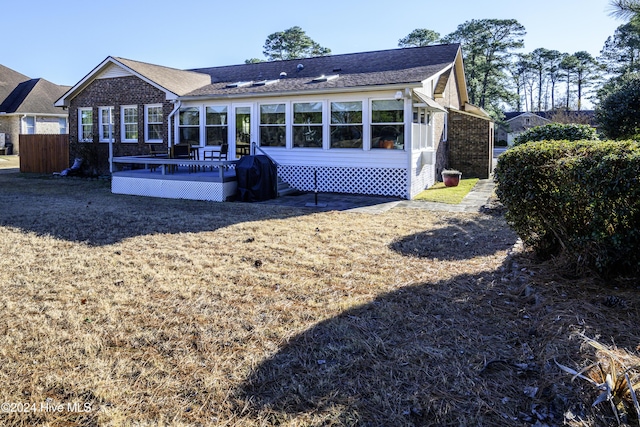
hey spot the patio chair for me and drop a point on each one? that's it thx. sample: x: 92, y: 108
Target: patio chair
x: 179, y: 151
x: 217, y: 155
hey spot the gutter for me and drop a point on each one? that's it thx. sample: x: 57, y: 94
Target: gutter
x: 254, y: 95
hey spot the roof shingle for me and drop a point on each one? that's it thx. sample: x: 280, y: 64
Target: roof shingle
x: 385, y: 67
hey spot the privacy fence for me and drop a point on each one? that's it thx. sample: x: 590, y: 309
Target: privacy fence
x: 44, y: 153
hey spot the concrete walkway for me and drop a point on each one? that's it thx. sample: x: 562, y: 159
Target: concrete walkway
x: 473, y: 202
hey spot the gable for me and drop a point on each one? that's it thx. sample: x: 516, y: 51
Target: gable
x: 171, y: 81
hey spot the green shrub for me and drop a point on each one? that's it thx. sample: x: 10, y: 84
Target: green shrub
x: 580, y: 198
x: 617, y: 114
x: 557, y: 132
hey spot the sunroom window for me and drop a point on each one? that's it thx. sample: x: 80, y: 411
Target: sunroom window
x: 346, y: 124
x: 273, y: 125
x: 387, y: 124
x: 307, y: 124
x: 217, y: 125
x: 189, y: 126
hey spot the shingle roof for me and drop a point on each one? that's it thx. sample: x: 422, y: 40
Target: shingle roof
x: 9, y: 79
x: 20, y: 94
x: 385, y: 67
x: 177, y: 81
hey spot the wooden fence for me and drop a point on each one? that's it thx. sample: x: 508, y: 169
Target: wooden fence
x: 44, y: 153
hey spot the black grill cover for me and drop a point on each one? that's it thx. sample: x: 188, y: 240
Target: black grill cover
x: 257, y: 179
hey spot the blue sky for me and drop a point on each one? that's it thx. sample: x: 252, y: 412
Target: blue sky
x: 64, y: 40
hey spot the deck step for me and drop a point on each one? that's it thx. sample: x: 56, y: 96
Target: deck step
x: 284, y: 189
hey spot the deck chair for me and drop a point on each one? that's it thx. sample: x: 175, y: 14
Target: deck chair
x: 179, y: 151
x: 217, y: 155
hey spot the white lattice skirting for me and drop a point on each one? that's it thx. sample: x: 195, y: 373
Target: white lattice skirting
x: 174, y: 189
x: 374, y: 181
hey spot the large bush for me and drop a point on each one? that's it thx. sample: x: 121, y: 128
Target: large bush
x: 578, y: 198
x: 557, y: 132
x: 618, y: 113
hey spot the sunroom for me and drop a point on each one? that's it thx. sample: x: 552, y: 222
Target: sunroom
x: 366, y: 143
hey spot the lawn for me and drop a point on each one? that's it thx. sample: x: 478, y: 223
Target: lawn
x: 452, y: 195
x: 120, y: 310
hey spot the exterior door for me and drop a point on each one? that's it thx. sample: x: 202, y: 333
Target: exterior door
x: 242, y: 130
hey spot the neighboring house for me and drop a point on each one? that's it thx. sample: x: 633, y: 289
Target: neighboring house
x: 517, y: 122
x: 27, y: 107
x: 384, y: 122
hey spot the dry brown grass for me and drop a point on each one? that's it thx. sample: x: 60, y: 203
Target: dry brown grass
x: 170, y: 312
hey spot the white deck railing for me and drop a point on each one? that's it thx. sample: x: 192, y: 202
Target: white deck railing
x: 165, y: 163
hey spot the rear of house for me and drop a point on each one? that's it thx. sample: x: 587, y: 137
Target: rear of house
x: 366, y: 123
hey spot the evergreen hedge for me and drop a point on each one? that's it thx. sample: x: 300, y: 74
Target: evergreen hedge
x: 557, y: 132
x: 578, y: 198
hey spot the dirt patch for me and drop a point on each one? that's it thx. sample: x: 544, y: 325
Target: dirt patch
x: 174, y: 312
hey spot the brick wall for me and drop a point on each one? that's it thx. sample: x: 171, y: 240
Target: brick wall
x: 116, y: 92
x: 470, y: 145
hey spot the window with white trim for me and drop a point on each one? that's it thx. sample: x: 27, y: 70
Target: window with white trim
x: 62, y: 123
x: 346, y: 124
x: 29, y: 125
x: 387, y: 124
x: 445, y: 131
x: 273, y: 129
x: 153, y: 123
x: 189, y: 125
x: 85, y: 124
x: 105, y: 124
x: 216, y: 125
x: 307, y: 124
x: 129, y: 123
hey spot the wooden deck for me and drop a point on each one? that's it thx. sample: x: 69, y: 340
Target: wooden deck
x: 174, y: 178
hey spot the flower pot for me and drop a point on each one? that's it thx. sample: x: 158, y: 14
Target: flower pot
x: 387, y: 143
x: 451, y: 178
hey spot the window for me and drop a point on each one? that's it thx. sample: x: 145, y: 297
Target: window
x: 445, y: 130
x: 307, y: 124
x: 346, y: 124
x: 189, y: 126
x: 129, y: 126
x: 387, y: 124
x: 105, y: 125
x: 62, y: 123
x: 85, y: 124
x: 217, y: 125
x: 29, y: 125
x: 153, y: 123
x: 272, y: 125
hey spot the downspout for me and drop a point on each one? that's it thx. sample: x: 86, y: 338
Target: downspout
x: 169, y: 118
x: 111, y: 140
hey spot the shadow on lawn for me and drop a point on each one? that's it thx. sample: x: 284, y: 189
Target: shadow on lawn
x: 80, y: 210
x: 460, y: 239
x: 416, y: 356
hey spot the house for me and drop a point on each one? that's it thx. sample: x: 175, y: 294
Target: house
x: 384, y: 122
x: 517, y: 122
x: 27, y: 107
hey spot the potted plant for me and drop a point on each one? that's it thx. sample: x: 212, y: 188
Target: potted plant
x: 451, y: 177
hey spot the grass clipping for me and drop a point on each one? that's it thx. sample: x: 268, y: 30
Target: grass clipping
x: 452, y: 195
